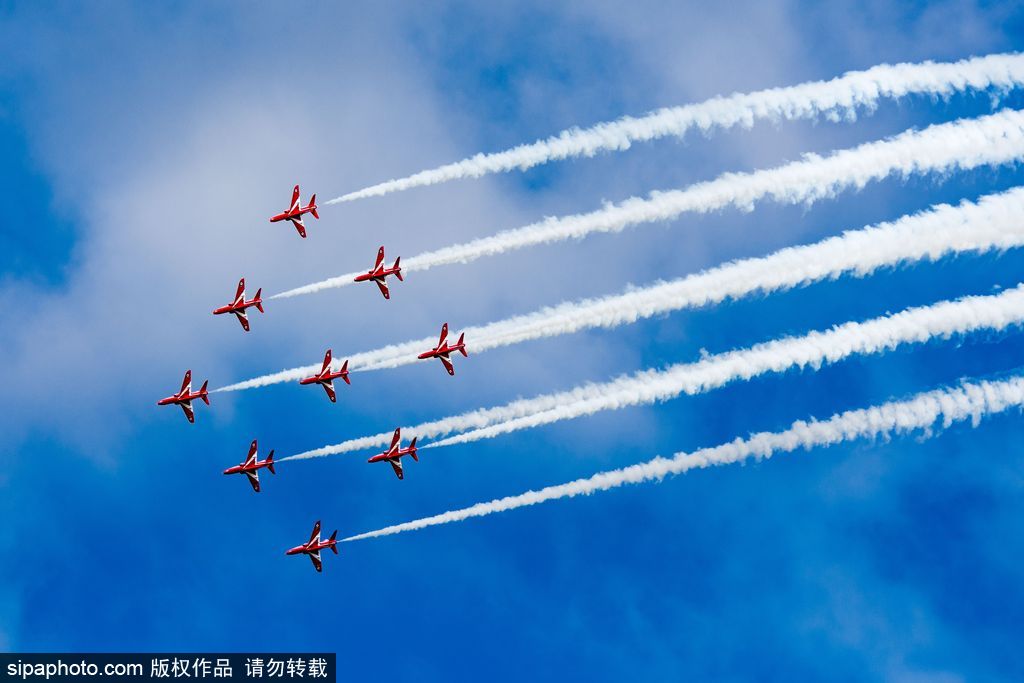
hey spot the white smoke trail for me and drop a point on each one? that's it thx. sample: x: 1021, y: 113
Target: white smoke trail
x: 994, y: 222
x: 913, y: 325
x: 962, y: 144
x: 969, y: 401
x: 836, y: 99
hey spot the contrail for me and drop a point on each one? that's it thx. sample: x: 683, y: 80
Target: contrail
x: 994, y: 222
x: 837, y: 99
x: 913, y: 325
x: 924, y: 411
x: 963, y: 144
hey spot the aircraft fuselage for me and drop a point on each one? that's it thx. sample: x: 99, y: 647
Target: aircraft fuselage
x: 288, y: 215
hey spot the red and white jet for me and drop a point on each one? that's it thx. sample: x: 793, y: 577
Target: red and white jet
x: 295, y: 211
x: 395, y: 453
x: 185, y: 397
x: 443, y: 350
x: 239, y: 305
x: 315, y: 545
x: 325, y: 376
x: 379, y: 273
x: 252, y: 465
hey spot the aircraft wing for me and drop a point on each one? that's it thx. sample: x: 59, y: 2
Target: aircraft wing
x: 327, y: 362
x: 395, y: 440
x: 240, y: 293
x: 254, y: 479
x: 396, y: 465
x: 444, y: 335
x: 383, y: 289
x: 316, y: 532
x: 380, y: 259
x: 447, y: 365
x: 251, y: 457
x: 317, y: 564
x: 244, y: 319
x: 297, y: 222
x: 186, y: 384
x: 295, y: 199
x: 189, y: 413
x: 329, y: 388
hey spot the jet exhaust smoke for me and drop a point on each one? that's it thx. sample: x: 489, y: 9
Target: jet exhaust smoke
x: 837, y: 99
x: 913, y: 325
x: 963, y: 144
x: 922, y: 412
x: 994, y: 222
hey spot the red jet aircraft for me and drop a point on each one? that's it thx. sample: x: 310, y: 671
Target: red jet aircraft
x: 315, y: 545
x: 251, y: 467
x: 443, y: 350
x: 185, y: 397
x: 239, y: 305
x: 379, y: 273
x: 325, y: 376
x: 295, y: 211
x: 394, y: 454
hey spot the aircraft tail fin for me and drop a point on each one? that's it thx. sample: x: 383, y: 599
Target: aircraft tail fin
x: 412, y: 449
x: 312, y: 207
x: 258, y: 300
x: 270, y: 462
x: 344, y: 370
x: 204, y: 394
x: 334, y: 541
x: 462, y: 345
x: 398, y: 270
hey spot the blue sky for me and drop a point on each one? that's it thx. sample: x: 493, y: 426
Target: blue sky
x: 142, y: 149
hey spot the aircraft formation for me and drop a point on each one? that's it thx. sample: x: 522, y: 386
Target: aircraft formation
x: 238, y: 307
